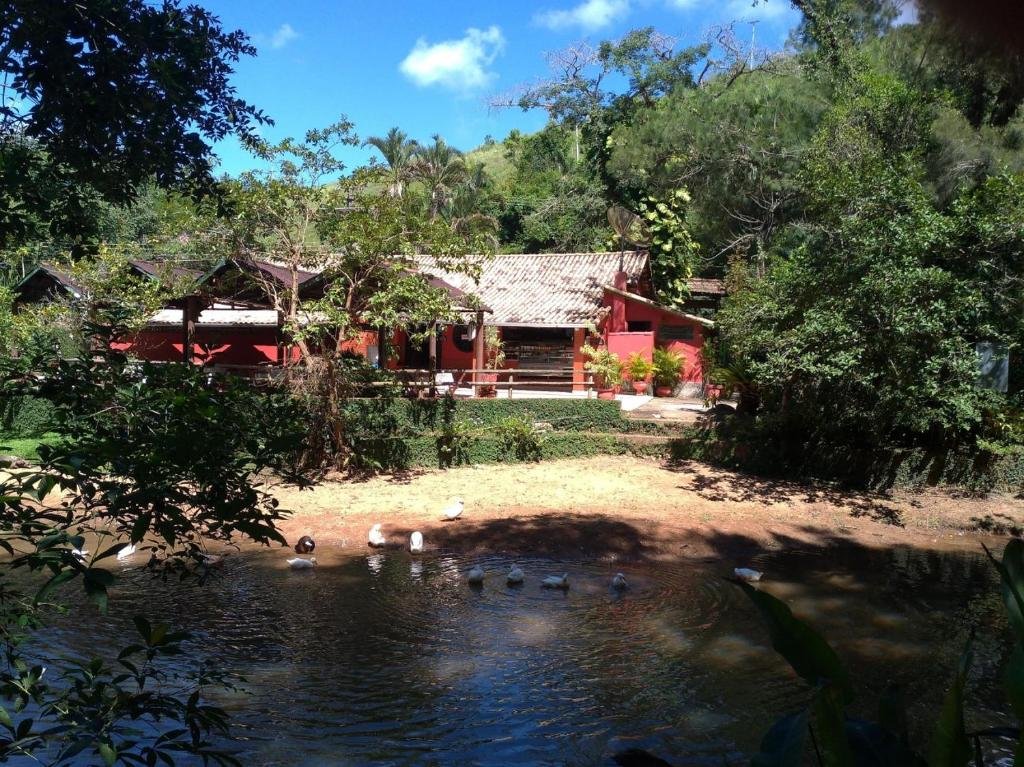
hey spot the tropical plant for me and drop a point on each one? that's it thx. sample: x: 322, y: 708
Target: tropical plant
x: 519, y: 439
x: 638, y: 367
x: 398, y: 151
x: 605, y: 365
x: 736, y: 379
x: 668, y: 367
x: 494, y: 348
x: 440, y: 168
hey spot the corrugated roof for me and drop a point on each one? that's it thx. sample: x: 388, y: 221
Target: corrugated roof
x: 217, y: 318
x: 543, y: 289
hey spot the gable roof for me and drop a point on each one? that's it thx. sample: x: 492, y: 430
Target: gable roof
x: 46, y: 280
x: 155, y: 270
x: 655, y: 305
x: 543, y: 289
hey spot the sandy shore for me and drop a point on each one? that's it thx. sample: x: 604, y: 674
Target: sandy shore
x: 629, y: 509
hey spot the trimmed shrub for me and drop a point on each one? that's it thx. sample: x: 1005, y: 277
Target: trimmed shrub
x: 27, y: 416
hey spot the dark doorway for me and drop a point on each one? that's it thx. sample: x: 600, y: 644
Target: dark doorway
x: 417, y: 353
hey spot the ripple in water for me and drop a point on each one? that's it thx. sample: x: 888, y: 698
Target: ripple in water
x: 387, y: 659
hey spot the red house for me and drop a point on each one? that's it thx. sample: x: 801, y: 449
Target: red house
x: 545, y: 305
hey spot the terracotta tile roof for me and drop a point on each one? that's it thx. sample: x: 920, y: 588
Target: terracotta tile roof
x: 543, y: 289
x: 706, y: 286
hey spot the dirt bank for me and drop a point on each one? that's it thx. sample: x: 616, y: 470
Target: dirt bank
x: 624, y: 508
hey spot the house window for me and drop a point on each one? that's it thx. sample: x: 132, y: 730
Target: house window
x: 675, y: 333
x: 461, y: 338
x: 639, y: 326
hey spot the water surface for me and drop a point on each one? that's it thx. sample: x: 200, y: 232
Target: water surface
x: 393, y: 660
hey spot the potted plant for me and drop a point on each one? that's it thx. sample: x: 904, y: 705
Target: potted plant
x: 668, y: 369
x: 639, y: 369
x: 607, y: 369
x: 494, y: 360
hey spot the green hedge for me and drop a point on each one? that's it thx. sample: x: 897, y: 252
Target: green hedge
x: 26, y: 416
x: 418, y: 417
x: 424, y: 451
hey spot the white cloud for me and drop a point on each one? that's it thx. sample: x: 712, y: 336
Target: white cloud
x: 459, y: 64
x: 282, y: 36
x: 590, y: 15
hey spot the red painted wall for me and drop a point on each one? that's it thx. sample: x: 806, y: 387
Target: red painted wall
x: 626, y: 344
x: 639, y: 312
x: 223, y: 346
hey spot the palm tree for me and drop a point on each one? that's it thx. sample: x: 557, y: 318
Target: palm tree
x: 463, y: 209
x: 398, y: 151
x: 623, y: 222
x: 441, y: 168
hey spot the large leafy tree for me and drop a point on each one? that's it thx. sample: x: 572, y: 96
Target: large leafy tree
x: 123, y: 90
x: 862, y: 331
x: 299, y: 214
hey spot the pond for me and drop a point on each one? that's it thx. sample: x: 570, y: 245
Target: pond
x: 388, y: 659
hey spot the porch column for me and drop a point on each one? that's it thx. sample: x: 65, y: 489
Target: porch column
x: 189, y: 318
x: 478, y: 352
x: 432, y: 351
x: 579, y: 372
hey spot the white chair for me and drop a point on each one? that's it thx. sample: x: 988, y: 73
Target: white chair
x: 444, y: 382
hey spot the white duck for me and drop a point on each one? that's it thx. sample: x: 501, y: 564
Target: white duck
x: 376, y: 536
x: 416, y: 542
x: 556, y: 581
x: 298, y: 563
x: 748, y: 575
x: 454, y: 510
x: 619, y: 582
x: 475, y: 576
x: 515, y: 576
x: 127, y: 552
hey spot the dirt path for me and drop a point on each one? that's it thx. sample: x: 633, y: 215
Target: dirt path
x: 624, y: 508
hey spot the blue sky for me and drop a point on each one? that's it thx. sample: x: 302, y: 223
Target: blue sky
x: 430, y: 67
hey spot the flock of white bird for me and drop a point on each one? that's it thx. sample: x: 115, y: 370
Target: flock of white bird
x: 475, y: 576
x: 376, y: 539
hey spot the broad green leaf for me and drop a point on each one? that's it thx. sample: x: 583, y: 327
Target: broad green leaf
x: 108, y: 753
x: 829, y: 721
x: 62, y: 577
x: 803, y: 648
x: 1011, y: 571
x: 1013, y: 682
x: 950, y: 746
x: 783, y: 744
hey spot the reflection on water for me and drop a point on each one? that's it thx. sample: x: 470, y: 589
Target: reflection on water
x: 387, y: 659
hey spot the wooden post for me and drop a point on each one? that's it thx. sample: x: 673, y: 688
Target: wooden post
x: 579, y: 371
x: 432, y: 352
x: 189, y: 318
x: 478, y: 352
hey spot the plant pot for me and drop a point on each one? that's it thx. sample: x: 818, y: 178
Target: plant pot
x: 639, y: 387
x: 483, y: 380
x: 663, y: 391
x: 606, y: 393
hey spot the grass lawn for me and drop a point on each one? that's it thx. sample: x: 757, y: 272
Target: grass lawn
x: 25, y: 447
